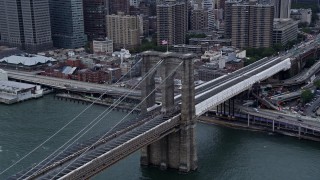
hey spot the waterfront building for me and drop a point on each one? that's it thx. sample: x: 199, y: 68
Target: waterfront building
x: 12, y: 92
x: 284, y: 30
x: 3, y: 75
x: 25, y: 24
x: 172, y: 23
x: 67, y: 23
x: 94, y: 15
x: 124, y: 30
x: 26, y: 61
x: 102, y: 46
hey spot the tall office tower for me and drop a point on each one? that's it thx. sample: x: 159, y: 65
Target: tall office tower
x: 94, y: 15
x: 25, y: 24
x: 208, y: 4
x: 220, y: 4
x: 134, y: 3
x: 116, y: 6
x: 199, y: 20
x: 261, y: 26
x: 172, y: 22
x: 281, y: 8
x: 124, y: 30
x: 67, y: 23
x: 252, y: 25
x: 228, y: 18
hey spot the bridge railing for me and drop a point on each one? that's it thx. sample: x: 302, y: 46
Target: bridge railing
x: 107, y: 159
x: 224, y: 95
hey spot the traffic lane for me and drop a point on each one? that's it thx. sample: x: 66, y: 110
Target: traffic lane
x: 286, y: 118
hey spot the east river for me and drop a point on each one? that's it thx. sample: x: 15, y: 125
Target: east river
x: 223, y: 153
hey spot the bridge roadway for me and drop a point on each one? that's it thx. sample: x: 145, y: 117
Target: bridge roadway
x: 68, y: 84
x: 303, y: 77
x: 288, y: 118
x: 137, y: 133
x: 106, y: 149
x: 218, y: 94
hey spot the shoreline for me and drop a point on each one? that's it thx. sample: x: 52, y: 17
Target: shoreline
x: 254, y: 128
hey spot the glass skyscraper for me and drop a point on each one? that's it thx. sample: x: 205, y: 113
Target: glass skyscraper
x: 67, y: 23
x: 25, y: 24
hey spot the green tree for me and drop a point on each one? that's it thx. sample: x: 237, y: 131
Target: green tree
x: 317, y: 84
x: 268, y: 52
x: 249, y: 61
x: 278, y: 47
x: 310, y: 62
x: 306, y: 30
x: 306, y: 95
x: 189, y: 36
x: 87, y: 47
x: 302, y: 25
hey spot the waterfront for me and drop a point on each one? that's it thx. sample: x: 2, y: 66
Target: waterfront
x: 223, y: 153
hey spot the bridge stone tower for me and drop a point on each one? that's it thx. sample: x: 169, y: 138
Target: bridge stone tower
x: 176, y: 150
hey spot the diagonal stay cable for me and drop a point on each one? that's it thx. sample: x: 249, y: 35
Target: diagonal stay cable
x: 121, y: 119
x: 63, y: 127
x: 103, y: 114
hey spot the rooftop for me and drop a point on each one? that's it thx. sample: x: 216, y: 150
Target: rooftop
x: 27, y: 59
x: 11, y: 86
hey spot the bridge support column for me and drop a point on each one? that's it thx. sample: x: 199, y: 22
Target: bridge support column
x: 272, y: 125
x: 233, y: 107
x: 148, y: 85
x: 248, y: 120
x: 217, y: 112
x: 176, y: 150
x: 188, y: 151
x: 229, y: 114
x: 167, y: 90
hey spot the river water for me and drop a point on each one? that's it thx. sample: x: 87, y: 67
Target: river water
x: 223, y: 153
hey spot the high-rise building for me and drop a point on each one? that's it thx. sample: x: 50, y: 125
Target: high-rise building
x: 67, y: 23
x: 220, y: 4
x: 172, y: 22
x: 284, y: 30
x: 123, y: 30
x: 134, y: 3
x: 252, y: 25
x: 281, y: 8
x: 228, y: 18
x: 94, y: 13
x: 116, y: 6
x: 199, y: 20
x: 208, y: 4
x: 25, y: 24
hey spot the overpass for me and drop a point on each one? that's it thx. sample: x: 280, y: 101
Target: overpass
x: 68, y: 84
x: 159, y: 132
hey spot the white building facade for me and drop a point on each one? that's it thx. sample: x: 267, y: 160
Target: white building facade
x: 103, y: 47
